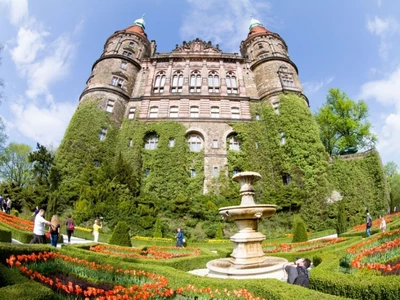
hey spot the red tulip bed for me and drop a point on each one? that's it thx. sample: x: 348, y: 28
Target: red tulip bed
x: 73, y: 278
x: 376, y: 223
x: 153, y: 252
x: 16, y: 222
x: 380, y: 253
x: 300, y: 247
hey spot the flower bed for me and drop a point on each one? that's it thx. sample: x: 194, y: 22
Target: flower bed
x: 377, y: 223
x: 16, y: 222
x: 381, y: 253
x: 151, y: 253
x: 300, y: 247
x: 73, y: 278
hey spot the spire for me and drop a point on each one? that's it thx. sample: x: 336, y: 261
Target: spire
x: 254, y: 23
x: 140, y: 22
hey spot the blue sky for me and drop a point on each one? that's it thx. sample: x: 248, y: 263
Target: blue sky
x: 50, y: 47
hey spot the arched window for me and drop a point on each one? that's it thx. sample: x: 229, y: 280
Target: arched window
x: 159, y: 83
x: 213, y: 82
x: 194, y: 111
x: 286, y: 77
x: 231, y: 83
x: 177, y: 82
x: 195, y: 82
x: 235, y: 112
x: 153, y: 112
x: 173, y: 111
x: 151, y: 142
x: 195, y: 142
x: 234, y: 143
x: 214, y: 112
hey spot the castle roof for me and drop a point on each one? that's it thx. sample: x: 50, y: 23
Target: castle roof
x: 256, y: 27
x: 138, y: 27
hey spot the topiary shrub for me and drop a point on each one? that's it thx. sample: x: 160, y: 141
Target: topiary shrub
x: 341, y: 224
x: 299, y: 231
x: 120, y: 236
x: 157, y: 229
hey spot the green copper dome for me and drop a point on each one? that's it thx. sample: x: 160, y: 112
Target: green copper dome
x: 140, y: 22
x: 255, y: 23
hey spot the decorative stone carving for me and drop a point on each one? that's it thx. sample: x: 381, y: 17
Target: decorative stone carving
x: 197, y: 45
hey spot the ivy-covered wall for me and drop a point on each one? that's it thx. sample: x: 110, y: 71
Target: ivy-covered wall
x: 138, y: 185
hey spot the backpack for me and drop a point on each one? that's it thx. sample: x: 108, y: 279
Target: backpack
x: 71, y: 225
x: 302, y: 279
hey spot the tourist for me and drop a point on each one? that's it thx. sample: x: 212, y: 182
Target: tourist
x: 298, y: 273
x: 4, y: 207
x: 368, y: 224
x: 1, y: 202
x: 179, y: 238
x: 8, y: 207
x: 383, y: 224
x: 34, y: 214
x: 54, y: 230
x: 70, y: 226
x: 38, y: 229
x: 96, y: 230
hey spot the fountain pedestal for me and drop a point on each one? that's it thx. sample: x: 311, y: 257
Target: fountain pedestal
x: 247, y: 259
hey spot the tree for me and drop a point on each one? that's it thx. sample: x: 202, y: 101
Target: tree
x: 3, y: 136
x: 42, y: 160
x: 343, y: 123
x: 393, y: 179
x: 14, y: 164
x: 341, y: 225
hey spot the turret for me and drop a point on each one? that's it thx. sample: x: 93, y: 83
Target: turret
x: 114, y: 73
x: 267, y: 55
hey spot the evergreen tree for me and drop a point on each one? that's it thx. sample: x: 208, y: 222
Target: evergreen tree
x: 120, y: 235
x: 157, y: 229
x: 341, y: 220
x: 299, y: 231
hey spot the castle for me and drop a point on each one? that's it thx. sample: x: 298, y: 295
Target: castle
x: 195, y: 84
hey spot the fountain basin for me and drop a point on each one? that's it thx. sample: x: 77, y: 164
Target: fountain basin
x: 242, y: 212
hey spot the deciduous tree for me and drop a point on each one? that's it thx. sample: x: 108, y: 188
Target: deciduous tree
x: 14, y: 164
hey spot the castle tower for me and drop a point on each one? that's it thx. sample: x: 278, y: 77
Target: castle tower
x: 114, y: 74
x: 269, y: 62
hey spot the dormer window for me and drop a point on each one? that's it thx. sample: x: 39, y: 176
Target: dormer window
x: 177, y: 82
x: 195, y: 82
x: 127, y: 54
x: 159, y: 83
x: 213, y: 82
x: 231, y: 83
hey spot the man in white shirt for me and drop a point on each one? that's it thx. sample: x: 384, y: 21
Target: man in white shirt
x: 38, y: 229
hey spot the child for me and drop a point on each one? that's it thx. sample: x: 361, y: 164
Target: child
x: 383, y: 224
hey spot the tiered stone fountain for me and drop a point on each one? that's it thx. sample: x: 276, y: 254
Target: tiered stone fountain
x: 247, y: 259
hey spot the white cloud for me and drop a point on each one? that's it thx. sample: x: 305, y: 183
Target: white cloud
x: 311, y: 87
x: 387, y: 92
x: 385, y: 29
x: 18, y: 10
x: 221, y: 21
x: 29, y: 42
x: 43, y: 125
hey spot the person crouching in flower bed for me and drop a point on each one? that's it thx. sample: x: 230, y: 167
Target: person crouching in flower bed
x: 38, y: 229
x: 54, y: 230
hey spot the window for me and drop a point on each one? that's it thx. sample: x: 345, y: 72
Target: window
x: 215, y: 144
x: 127, y: 54
x: 215, y: 172
x: 130, y: 143
x: 153, y: 112
x: 110, y: 105
x: 123, y: 65
x: 151, y: 142
x: 147, y: 172
x: 213, y: 83
x: 214, y: 112
x: 192, y: 173
x: 115, y: 81
x: 131, y: 114
x: 235, y: 111
x: 283, y: 139
x: 195, y: 82
x: 286, y: 77
x: 231, y: 84
x: 257, y: 145
x: 171, y: 143
x: 234, y: 143
x: 131, y: 44
x: 159, y: 83
x: 173, y: 112
x: 260, y: 46
x: 102, y: 134
x: 96, y: 163
x: 257, y: 116
x: 287, y: 179
x: 177, y: 82
x: 275, y: 105
x: 195, y: 142
x: 194, y: 111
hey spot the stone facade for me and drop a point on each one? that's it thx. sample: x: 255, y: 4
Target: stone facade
x: 196, y: 84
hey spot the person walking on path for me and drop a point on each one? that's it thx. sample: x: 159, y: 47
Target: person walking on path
x: 96, y: 230
x: 179, y: 238
x: 54, y: 229
x: 368, y: 224
x: 70, y: 226
x: 383, y: 224
x: 8, y: 208
x: 38, y: 229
